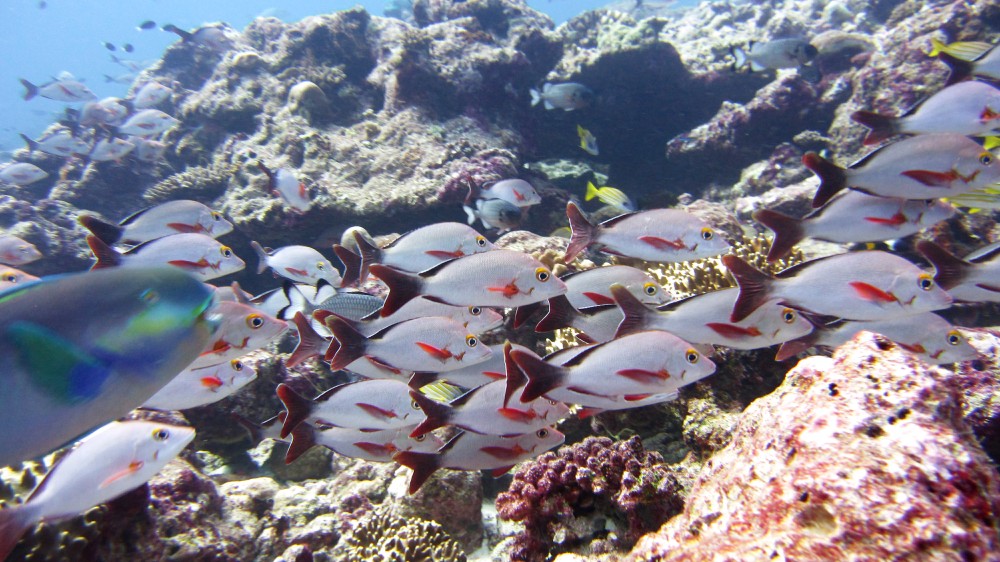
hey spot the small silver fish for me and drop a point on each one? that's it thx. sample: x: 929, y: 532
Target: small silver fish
x: 22, y: 173
x: 150, y: 95
x: 973, y: 279
x: 147, y: 123
x: 567, y: 96
x: 62, y: 144
x: 301, y: 264
x: 198, y: 254
x: 370, y: 404
x: 514, y: 191
x: 779, y: 53
x: 495, y: 213
x: 106, y: 150
x: 242, y: 329
x: 371, y: 445
x: 14, y: 251
x: 165, y: 219
x: 192, y: 388
x: 285, y: 184
x: 66, y: 89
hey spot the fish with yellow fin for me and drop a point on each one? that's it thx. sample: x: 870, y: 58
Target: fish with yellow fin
x: 610, y: 196
x: 962, y: 50
x: 968, y: 59
x: 588, y: 141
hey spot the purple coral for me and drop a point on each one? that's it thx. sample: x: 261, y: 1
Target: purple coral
x: 620, y: 480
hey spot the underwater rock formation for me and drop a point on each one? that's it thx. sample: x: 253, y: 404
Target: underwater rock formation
x: 860, y: 456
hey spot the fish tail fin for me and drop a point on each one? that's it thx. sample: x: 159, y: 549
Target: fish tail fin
x: 310, y: 343
x: 303, y: 439
x: 352, y: 266
x: 832, y: 178
x: 438, y: 414
x: 740, y: 56
x: 298, y: 408
x: 423, y: 466
x: 105, y: 254
x: 370, y: 254
x: 106, y: 232
x: 787, y: 230
x: 536, y: 97
x: 14, y: 522
x: 470, y: 213
x: 515, y: 376
x: 297, y: 301
x: 523, y: 313
x: 31, y: 90
x: 352, y: 343
x: 949, y: 270
x: 560, y: 315
x: 542, y: 377
x: 403, y: 287
x: 583, y: 232
x: 31, y: 144
x: 882, y: 126
x: 960, y: 69
x: 937, y: 47
x: 754, y: 287
x: 261, y: 255
x: 591, y: 192
x: 635, y: 312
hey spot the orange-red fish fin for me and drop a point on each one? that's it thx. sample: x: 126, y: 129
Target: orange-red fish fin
x: 912, y: 348
x: 871, y: 292
x: 211, y: 383
x: 585, y: 413
x: 504, y: 453
x: 435, y: 352
x: 495, y: 375
x: 931, y: 178
x: 662, y: 243
x: 296, y: 271
x: 643, y: 375
x: 443, y: 255
x: 375, y: 411
x: 182, y: 227
x: 516, y: 415
x: 988, y: 287
x: 733, y: 331
x: 598, y: 298
x: 894, y: 220
x: 636, y: 397
x: 376, y: 449
x: 188, y: 264
x: 508, y: 290
x: 129, y: 470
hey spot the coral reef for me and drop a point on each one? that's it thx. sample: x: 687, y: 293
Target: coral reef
x: 383, y: 535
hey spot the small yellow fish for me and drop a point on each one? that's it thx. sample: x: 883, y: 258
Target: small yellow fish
x: 588, y: 141
x: 987, y: 198
x: 610, y: 196
x: 962, y: 50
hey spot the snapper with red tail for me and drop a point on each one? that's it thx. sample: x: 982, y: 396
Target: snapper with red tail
x: 370, y: 404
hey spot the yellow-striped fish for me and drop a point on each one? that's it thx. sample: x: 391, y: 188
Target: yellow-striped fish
x: 962, y: 50
x: 588, y: 141
x: 985, y: 199
x: 610, y: 196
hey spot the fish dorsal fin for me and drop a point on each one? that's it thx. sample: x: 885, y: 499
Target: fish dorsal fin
x: 583, y: 355
x: 861, y: 162
x: 984, y: 254
x: 328, y: 393
x: 615, y: 220
x: 596, y: 309
x: 134, y: 216
x: 672, y: 305
x: 799, y: 267
x: 434, y: 270
x: 259, y: 299
x: 451, y: 443
x: 138, y: 247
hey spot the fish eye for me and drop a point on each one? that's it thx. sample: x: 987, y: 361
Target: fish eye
x: 691, y: 356
x: 420, y: 438
x: 23, y: 249
x: 414, y: 405
x: 542, y: 433
x: 226, y: 251
x: 255, y: 321
x: 475, y: 310
x: 650, y: 289
x: 149, y: 296
x: 954, y: 338
x: 788, y: 315
x: 216, y: 216
x: 320, y: 265
x: 161, y: 434
x: 471, y: 340
x: 707, y: 234
x: 481, y: 241
x: 929, y: 202
x: 10, y: 277
x: 986, y: 158
x: 237, y: 365
x: 552, y: 402
x: 925, y: 282
x: 542, y: 274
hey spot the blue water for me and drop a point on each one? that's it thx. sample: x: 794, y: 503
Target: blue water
x: 67, y: 35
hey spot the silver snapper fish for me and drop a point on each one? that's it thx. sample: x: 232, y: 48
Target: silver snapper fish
x: 414, y: 251
x: 472, y: 451
x: 10, y: 277
x: 211, y: 37
x: 301, y: 264
x: 106, y: 150
x: 925, y: 335
x: 513, y: 190
x: 198, y: 254
x: 870, y: 285
x: 495, y: 213
x: 371, y: 445
x: 147, y: 123
x: 370, y: 404
x: 597, y: 324
x: 967, y: 108
x: 660, y: 235
x: 150, y: 94
x: 593, y: 286
x: 82, y: 349
x: 312, y: 344
x: 921, y: 167
x: 22, y: 173
x: 286, y: 185
x: 62, y: 144
x: 242, y: 329
x: 14, y: 251
x: 472, y: 376
x: 148, y: 150
x: 853, y: 216
x: 165, y: 219
x: 779, y: 53
x: 66, y: 89
x: 704, y: 319
x: 973, y: 279
x: 499, y: 278
x: 352, y: 306
x: 476, y: 319
x: 567, y: 96
x: 118, y: 457
x: 192, y: 388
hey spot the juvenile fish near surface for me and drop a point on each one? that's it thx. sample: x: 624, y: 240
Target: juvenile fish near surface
x: 567, y: 96
x: 661, y: 235
x: 779, y: 53
x: 116, y: 458
x: 198, y: 254
x: 197, y: 387
x: 14, y: 251
x: 853, y: 216
x: 132, y: 331
x: 922, y: 167
x: 499, y: 278
x: 377, y: 445
x: 66, y: 89
x: 968, y: 108
x: 612, y: 196
x: 22, y: 173
x: 147, y: 123
x: 242, y: 329
x: 925, y: 335
x: 368, y: 404
x: 973, y: 279
x: 495, y: 213
x: 165, y: 219
x: 297, y: 263
x: 283, y: 183
x: 868, y: 285
x: 588, y: 142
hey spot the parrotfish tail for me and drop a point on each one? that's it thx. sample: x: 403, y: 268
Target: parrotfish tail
x: 560, y: 315
x: 438, y: 414
x: 882, y: 127
x: 536, y: 96
x: 105, y: 254
x: 106, y: 232
x: 949, y: 270
x: 261, y: 255
x: 352, y: 266
x: 523, y: 313
x: 583, y: 232
x: 370, y: 254
x: 403, y: 287
x: 542, y: 377
x: 794, y: 347
x: 31, y: 89
x: 298, y: 407
x: 423, y: 466
x: 171, y: 28
x: 14, y: 521
x: 32, y: 145
x: 303, y: 439
x: 960, y: 69
x: 753, y: 284
x: 787, y: 232
x: 352, y: 344
x: 635, y: 312
x: 310, y: 343
x: 832, y: 178
x: 515, y: 376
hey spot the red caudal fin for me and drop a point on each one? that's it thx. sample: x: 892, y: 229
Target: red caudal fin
x: 542, y: 377
x: 832, y: 178
x: 753, y: 287
x: 583, y: 232
x: 403, y: 287
x: 882, y: 127
x: 298, y: 407
x: 423, y: 466
x: 787, y: 230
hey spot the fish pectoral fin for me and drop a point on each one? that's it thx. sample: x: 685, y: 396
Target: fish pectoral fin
x: 185, y: 228
x: 443, y: 255
x: 375, y: 411
x: 931, y: 178
x: 129, y: 470
x: 504, y: 453
x: 894, y: 220
x: 871, y: 292
x: 508, y: 290
x: 733, y: 331
x: 296, y: 271
x: 59, y: 367
x: 662, y: 243
x: 435, y: 352
x: 190, y: 265
x: 212, y: 383
x: 643, y: 375
x: 498, y: 472
x: 378, y: 449
x: 598, y: 298
x: 636, y: 397
x: 912, y: 348
x: 516, y: 415
x: 383, y: 365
